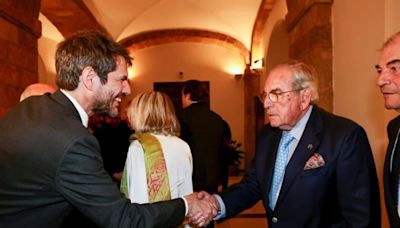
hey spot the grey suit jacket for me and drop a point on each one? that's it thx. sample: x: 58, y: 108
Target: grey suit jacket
x: 49, y: 164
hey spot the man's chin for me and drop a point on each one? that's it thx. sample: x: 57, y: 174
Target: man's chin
x: 390, y: 106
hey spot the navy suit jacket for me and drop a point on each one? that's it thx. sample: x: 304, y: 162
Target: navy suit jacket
x: 49, y: 164
x: 391, y: 207
x: 342, y: 193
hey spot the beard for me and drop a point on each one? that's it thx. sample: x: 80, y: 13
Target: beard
x: 104, y: 105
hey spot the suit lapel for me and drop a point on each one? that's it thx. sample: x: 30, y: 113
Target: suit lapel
x: 307, y: 145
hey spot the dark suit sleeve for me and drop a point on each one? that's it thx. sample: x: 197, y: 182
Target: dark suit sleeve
x: 82, y: 180
x: 242, y: 195
x: 357, y: 184
x: 391, y: 208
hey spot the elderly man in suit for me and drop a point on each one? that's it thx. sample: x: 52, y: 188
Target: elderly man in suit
x: 50, y: 164
x: 311, y: 168
x: 389, y: 83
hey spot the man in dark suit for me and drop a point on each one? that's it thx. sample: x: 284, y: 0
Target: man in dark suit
x: 389, y: 83
x: 203, y: 130
x: 49, y: 162
x: 311, y: 168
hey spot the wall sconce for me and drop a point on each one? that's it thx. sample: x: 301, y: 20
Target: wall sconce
x: 257, y: 64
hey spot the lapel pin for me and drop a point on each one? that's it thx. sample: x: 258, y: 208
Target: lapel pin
x: 310, y: 146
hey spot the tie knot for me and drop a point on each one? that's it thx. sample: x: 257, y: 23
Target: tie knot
x: 286, y: 138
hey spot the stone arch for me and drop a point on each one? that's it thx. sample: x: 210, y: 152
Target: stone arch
x: 159, y: 37
x: 70, y: 16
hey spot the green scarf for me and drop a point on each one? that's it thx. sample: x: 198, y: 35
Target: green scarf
x: 158, y: 187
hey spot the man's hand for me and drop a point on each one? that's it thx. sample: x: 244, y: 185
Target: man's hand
x: 201, y: 208
x: 202, y: 195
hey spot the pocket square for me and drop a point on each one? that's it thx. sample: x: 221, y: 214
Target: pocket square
x: 315, y: 161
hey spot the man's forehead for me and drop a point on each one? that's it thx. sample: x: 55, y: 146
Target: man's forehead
x: 390, y: 53
x: 278, y: 78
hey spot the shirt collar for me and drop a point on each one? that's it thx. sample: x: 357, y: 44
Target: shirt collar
x: 84, y: 116
x: 298, y: 129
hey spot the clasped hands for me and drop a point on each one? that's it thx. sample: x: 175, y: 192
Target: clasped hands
x: 203, y: 207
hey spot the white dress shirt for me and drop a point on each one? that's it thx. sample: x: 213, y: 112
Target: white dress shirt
x: 84, y: 116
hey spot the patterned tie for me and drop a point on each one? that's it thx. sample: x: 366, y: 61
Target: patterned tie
x: 280, y: 166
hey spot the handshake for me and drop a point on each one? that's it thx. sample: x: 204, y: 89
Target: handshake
x: 202, y: 208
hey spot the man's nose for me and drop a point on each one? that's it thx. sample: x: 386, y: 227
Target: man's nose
x: 267, y: 102
x: 126, y: 88
x: 383, y: 78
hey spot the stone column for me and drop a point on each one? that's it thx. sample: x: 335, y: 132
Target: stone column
x: 19, y: 33
x: 310, y: 37
x: 251, y: 87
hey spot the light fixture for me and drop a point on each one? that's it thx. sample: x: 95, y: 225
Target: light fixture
x: 257, y: 64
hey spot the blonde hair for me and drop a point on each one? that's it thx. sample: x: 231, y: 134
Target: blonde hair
x: 153, y: 112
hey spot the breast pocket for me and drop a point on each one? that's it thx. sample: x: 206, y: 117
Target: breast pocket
x: 314, y: 172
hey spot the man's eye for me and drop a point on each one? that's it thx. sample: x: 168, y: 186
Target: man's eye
x: 379, y: 71
x: 396, y: 69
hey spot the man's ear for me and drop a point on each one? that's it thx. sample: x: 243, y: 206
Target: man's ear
x: 305, y: 96
x: 88, y: 74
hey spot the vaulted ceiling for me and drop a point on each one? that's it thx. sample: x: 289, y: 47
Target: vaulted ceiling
x: 235, y: 24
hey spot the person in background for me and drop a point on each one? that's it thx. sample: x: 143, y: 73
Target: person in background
x: 388, y: 81
x: 203, y: 130
x: 36, y: 89
x: 311, y: 168
x: 49, y: 161
x: 224, y: 157
x: 159, y: 164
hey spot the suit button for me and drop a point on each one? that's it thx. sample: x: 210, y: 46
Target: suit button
x: 274, y: 219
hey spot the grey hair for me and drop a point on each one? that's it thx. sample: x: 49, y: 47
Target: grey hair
x: 304, y: 76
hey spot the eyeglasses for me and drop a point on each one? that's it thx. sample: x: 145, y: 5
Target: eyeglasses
x: 274, y: 95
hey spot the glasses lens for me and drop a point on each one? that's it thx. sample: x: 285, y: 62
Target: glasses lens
x: 273, y: 97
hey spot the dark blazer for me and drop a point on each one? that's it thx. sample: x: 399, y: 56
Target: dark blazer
x: 203, y: 130
x: 342, y: 193
x: 391, y: 208
x: 49, y: 164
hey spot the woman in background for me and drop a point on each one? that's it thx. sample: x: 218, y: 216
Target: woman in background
x: 159, y: 164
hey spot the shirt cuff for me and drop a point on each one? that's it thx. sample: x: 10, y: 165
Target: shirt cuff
x: 222, y: 210
x: 186, y: 205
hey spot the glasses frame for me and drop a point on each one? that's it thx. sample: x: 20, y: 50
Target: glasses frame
x: 274, y: 96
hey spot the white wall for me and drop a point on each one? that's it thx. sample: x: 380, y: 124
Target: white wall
x: 205, y: 62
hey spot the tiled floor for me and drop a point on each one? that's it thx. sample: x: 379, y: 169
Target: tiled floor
x: 253, y: 217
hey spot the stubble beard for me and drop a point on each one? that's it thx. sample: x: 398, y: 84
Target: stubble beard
x: 104, y: 105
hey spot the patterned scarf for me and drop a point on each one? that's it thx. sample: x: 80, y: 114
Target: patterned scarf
x: 156, y: 170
